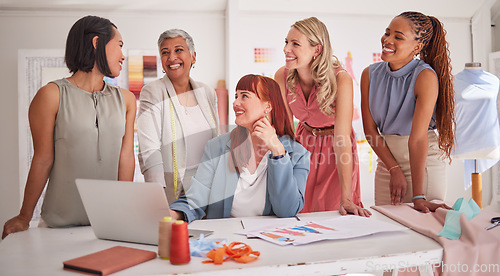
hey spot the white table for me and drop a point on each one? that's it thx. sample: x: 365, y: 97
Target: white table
x: 41, y: 251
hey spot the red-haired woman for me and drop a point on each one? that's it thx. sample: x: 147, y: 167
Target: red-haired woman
x: 256, y: 169
x: 404, y: 100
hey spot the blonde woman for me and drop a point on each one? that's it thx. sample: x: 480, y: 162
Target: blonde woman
x: 319, y: 92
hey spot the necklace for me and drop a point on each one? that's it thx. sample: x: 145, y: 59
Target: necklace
x: 76, y: 83
x: 186, y: 96
x: 74, y: 79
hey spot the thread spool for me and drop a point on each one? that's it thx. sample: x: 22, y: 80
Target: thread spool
x: 164, y: 233
x: 179, y: 243
x: 222, y: 105
x: 477, y: 189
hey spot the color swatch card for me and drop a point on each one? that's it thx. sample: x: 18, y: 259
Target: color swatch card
x: 308, y: 231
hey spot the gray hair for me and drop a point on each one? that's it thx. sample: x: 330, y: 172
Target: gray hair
x: 176, y: 33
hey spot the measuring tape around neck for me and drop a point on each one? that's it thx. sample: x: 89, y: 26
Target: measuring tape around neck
x: 174, y: 145
x: 174, y: 141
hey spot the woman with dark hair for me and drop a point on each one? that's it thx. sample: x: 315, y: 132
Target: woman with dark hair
x: 82, y: 127
x: 257, y: 169
x: 404, y: 100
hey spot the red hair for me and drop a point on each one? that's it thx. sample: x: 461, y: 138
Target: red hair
x: 267, y: 90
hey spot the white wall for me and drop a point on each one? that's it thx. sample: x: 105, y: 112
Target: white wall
x: 48, y: 30
x: 359, y: 34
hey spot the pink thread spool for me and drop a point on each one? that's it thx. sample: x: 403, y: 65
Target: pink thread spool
x: 179, y: 243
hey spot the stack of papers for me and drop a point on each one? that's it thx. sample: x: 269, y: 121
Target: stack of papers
x: 292, y: 231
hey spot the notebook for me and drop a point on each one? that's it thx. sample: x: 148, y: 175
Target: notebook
x: 126, y: 211
x: 110, y: 260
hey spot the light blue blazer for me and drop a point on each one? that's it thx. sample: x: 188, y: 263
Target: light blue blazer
x: 211, y: 192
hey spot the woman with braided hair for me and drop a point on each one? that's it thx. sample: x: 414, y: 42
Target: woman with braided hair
x: 404, y: 101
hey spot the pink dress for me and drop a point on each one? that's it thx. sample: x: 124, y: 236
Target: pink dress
x: 323, y: 184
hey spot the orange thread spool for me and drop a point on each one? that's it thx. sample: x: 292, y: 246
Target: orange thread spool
x: 179, y: 243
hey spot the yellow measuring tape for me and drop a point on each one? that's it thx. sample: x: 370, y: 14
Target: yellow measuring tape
x: 370, y: 155
x: 370, y: 164
x: 213, y: 120
x: 174, y: 145
x: 174, y: 141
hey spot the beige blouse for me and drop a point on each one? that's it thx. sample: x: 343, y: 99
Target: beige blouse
x: 88, y: 134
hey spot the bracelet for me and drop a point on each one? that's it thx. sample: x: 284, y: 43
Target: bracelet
x: 393, y: 168
x: 418, y: 197
x: 278, y: 156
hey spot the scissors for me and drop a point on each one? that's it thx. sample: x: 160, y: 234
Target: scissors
x: 494, y: 222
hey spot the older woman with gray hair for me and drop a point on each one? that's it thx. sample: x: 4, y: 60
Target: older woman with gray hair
x: 177, y: 116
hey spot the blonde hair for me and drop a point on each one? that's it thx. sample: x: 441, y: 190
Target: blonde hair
x: 323, y: 66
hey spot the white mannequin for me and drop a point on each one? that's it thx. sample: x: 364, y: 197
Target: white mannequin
x: 477, y: 128
x: 488, y: 153
x: 473, y: 65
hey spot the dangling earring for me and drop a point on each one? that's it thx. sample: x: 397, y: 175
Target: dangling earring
x: 163, y: 71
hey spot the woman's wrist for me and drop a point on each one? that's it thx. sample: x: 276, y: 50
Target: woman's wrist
x: 177, y: 215
x: 276, y: 157
x: 421, y: 196
x: 25, y: 214
x: 345, y: 200
x: 393, y: 168
x: 277, y: 149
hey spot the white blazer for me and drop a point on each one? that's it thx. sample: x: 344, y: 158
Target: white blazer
x: 158, y: 101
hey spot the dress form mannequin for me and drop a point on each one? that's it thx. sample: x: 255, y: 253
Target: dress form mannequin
x: 473, y: 65
x: 477, y: 131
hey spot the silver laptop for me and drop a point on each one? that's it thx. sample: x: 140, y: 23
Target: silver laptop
x: 126, y: 211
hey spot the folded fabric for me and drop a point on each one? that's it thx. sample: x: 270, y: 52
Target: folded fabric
x: 474, y: 253
x: 452, y: 229
x: 200, y: 247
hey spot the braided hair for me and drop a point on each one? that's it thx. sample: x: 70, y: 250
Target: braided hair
x: 430, y: 32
